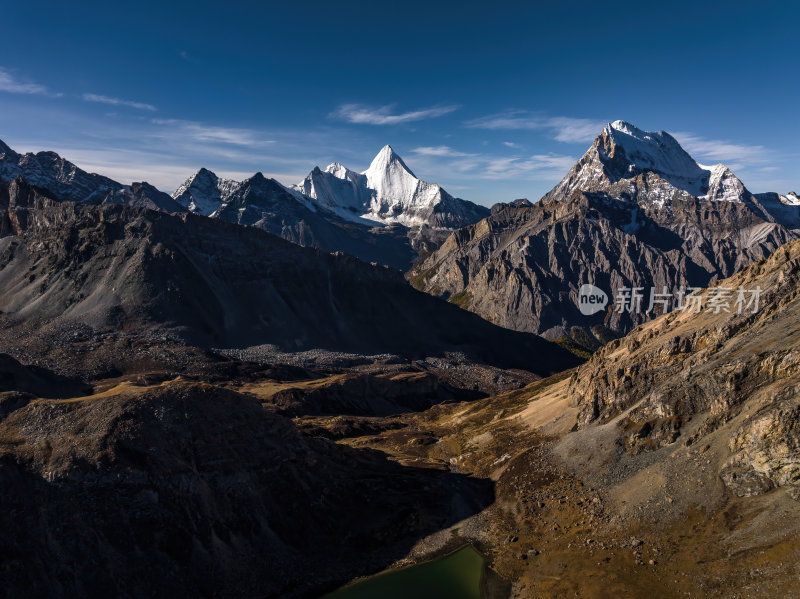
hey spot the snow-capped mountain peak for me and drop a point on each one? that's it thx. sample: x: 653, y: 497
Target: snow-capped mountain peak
x: 791, y: 198
x: 397, y: 189
x: 625, y: 127
x: 387, y: 192
x: 655, y: 151
x: 204, y: 192
x: 388, y: 160
x: 723, y: 185
x: 624, y: 152
x: 339, y: 170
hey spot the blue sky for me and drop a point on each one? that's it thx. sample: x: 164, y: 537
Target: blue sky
x: 493, y: 100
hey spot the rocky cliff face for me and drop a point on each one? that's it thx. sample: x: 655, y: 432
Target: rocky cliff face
x: 713, y: 370
x: 635, y: 212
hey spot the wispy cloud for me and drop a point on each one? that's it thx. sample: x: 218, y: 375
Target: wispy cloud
x: 118, y: 102
x: 8, y: 83
x: 492, y: 166
x: 734, y: 155
x: 511, y: 144
x: 545, y: 166
x: 442, y: 151
x: 575, y: 130
x: 362, y: 114
x: 202, y: 132
x: 565, y: 129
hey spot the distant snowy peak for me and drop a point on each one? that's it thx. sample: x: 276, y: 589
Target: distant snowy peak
x: 204, y: 192
x: 388, y: 162
x: 207, y: 194
x: 399, y: 195
x: 624, y: 152
x: 68, y: 182
x: 387, y: 192
x: 723, y: 185
x: 791, y: 198
x: 658, y: 152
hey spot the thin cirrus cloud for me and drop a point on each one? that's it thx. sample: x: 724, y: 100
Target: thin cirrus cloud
x: 201, y: 132
x: 118, y: 102
x: 565, y: 129
x: 543, y: 167
x: 362, y: 114
x: 439, y: 151
x: 714, y: 150
x: 10, y: 84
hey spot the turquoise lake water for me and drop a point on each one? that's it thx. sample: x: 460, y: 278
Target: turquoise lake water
x: 456, y: 576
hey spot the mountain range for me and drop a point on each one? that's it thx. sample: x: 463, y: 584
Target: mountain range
x: 194, y: 404
x: 636, y: 211
x: 383, y: 215
x: 207, y: 283
x: 388, y: 192
x: 67, y: 182
x: 400, y: 215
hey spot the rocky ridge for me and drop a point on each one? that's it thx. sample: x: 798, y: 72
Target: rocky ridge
x: 209, y: 283
x: 66, y: 181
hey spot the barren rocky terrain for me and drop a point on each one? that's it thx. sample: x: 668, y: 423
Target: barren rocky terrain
x: 236, y: 478
x: 189, y: 407
x: 666, y: 466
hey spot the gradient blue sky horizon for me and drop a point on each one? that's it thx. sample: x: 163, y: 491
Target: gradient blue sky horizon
x: 494, y: 101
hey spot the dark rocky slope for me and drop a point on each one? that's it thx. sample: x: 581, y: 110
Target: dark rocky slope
x: 128, y: 271
x: 189, y: 490
x: 522, y: 267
